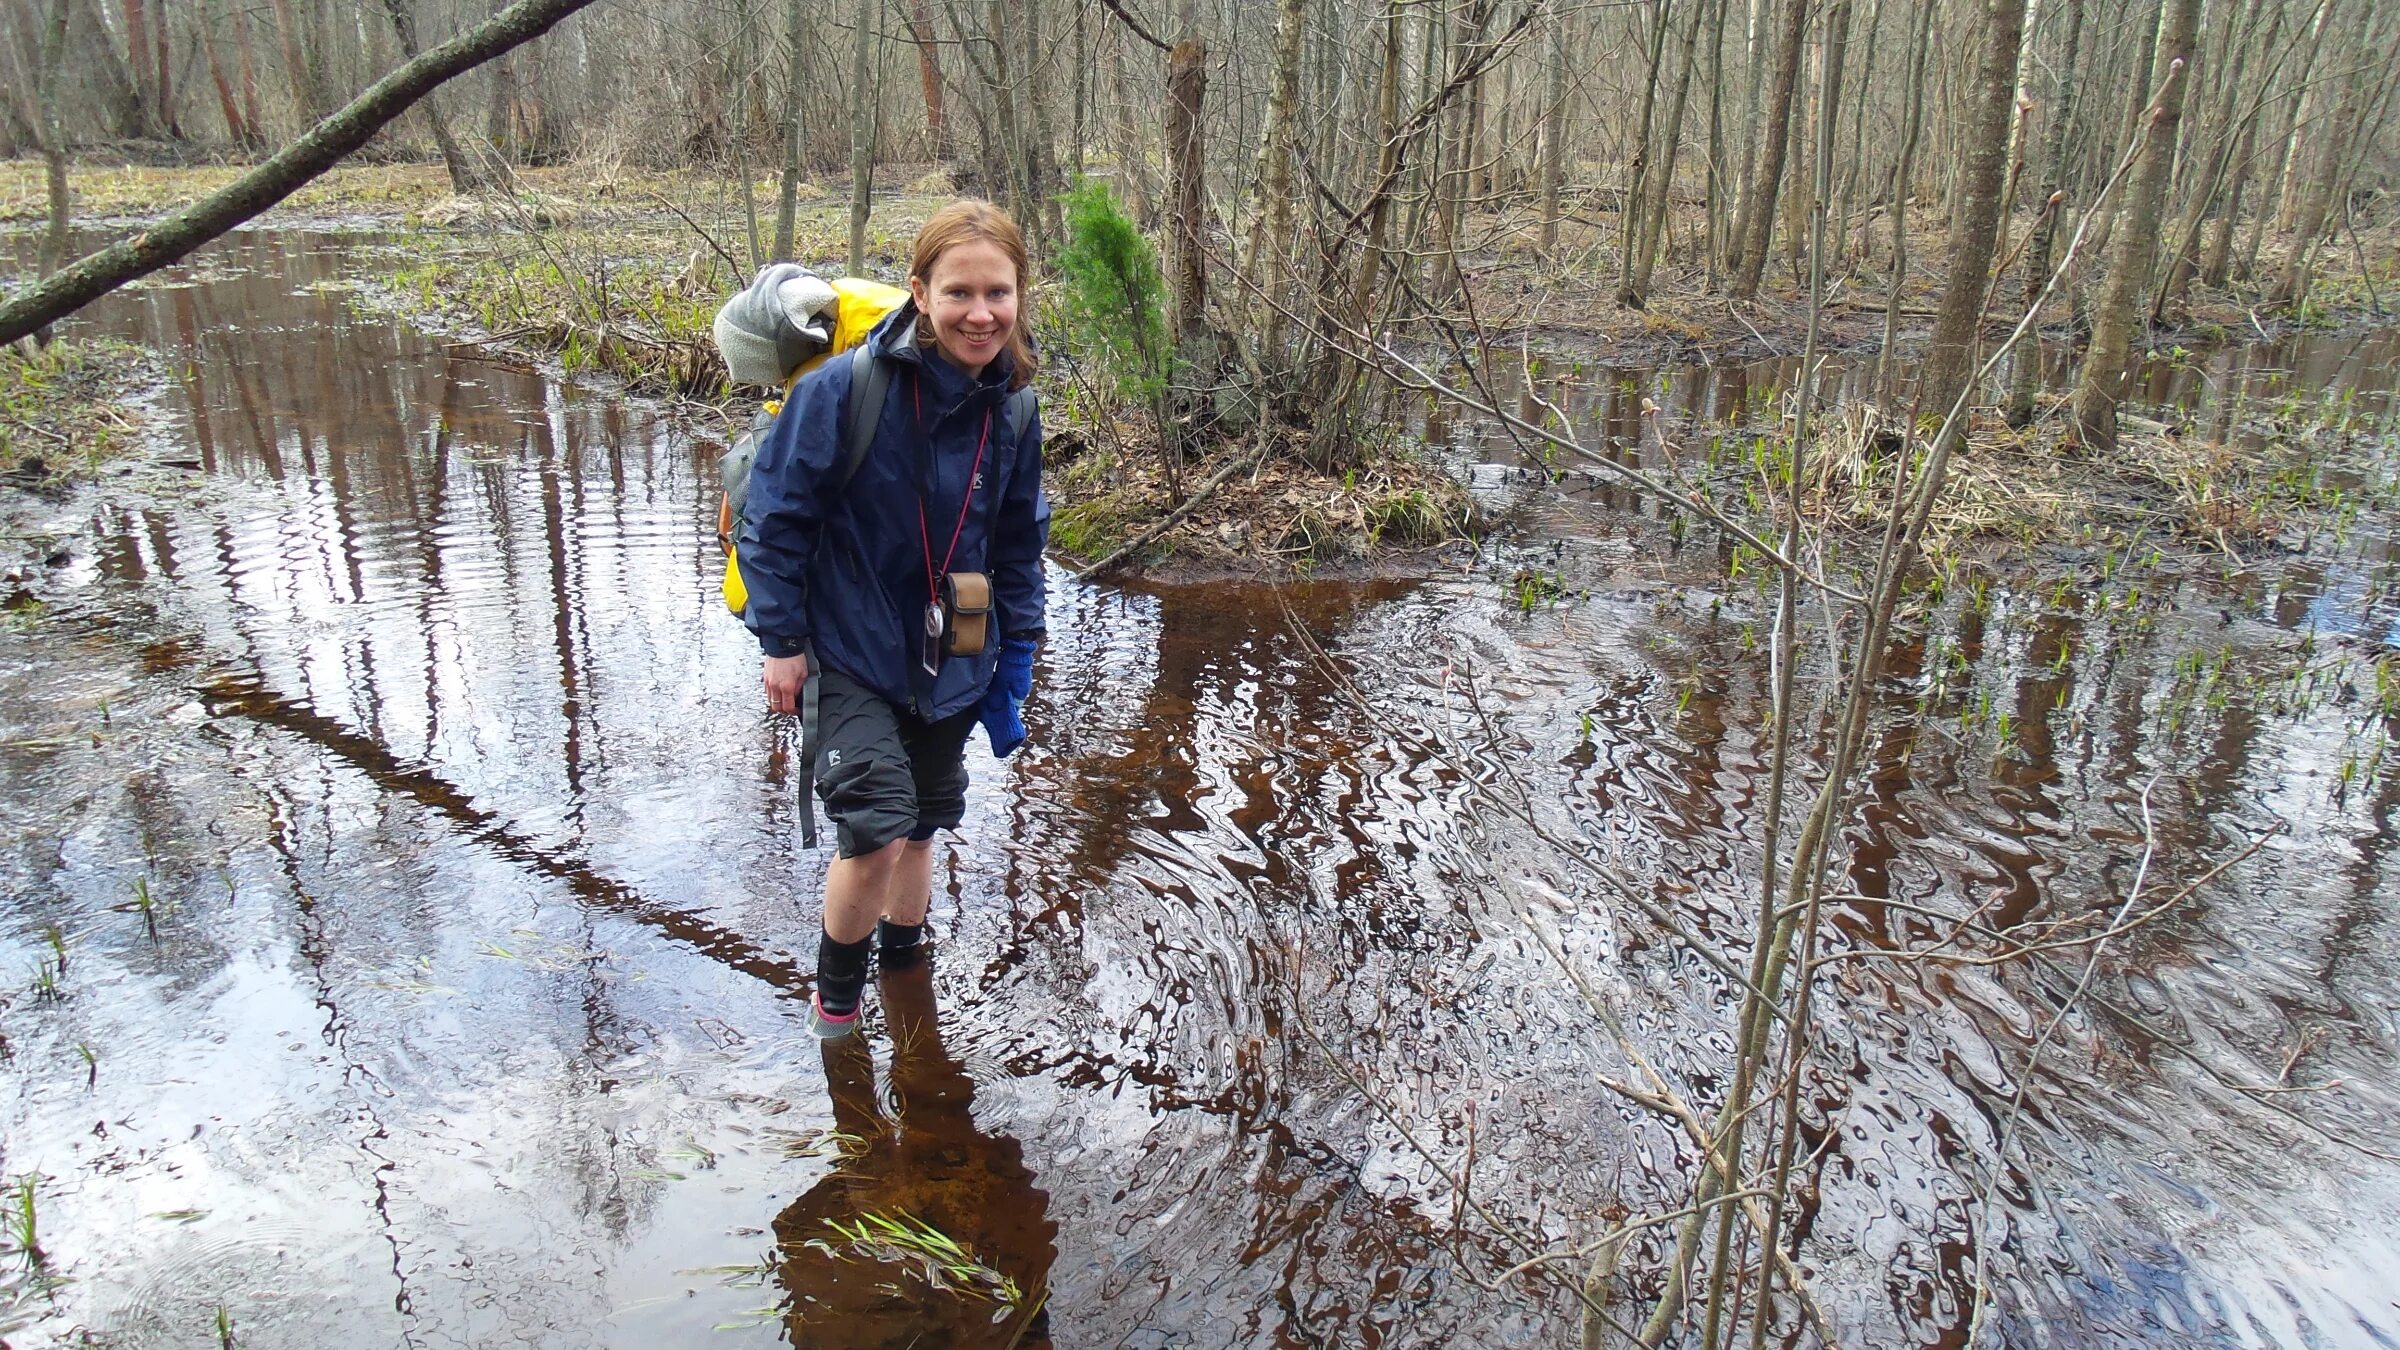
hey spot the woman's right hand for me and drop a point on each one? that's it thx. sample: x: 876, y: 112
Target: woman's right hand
x: 784, y: 676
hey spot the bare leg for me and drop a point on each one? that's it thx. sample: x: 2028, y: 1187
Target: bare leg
x: 894, y: 882
x: 911, y: 890
x: 857, y: 890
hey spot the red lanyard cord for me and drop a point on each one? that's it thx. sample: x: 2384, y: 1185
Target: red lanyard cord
x: 933, y: 584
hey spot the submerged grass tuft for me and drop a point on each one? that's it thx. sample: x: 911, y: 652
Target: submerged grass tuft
x: 144, y: 903
x: 943, y: 1260
x: 24, y: 1220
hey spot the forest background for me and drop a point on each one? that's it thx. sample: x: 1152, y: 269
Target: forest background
x: 1322, y: 177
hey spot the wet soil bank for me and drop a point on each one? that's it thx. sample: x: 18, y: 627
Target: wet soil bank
x: 69, y: 408
x: 403, y: 918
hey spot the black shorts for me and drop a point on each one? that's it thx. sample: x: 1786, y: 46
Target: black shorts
x: 882, y: 772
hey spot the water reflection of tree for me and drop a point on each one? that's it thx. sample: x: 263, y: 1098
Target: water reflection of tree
x: 1236, y: 817
x: 923, y: 1159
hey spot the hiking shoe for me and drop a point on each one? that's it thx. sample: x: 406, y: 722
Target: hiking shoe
x: 827, y: 1027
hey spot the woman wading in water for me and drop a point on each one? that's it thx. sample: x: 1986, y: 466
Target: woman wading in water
x: 905, y: 603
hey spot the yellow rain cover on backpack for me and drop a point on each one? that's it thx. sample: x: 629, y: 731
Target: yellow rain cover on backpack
x: 859, y: 305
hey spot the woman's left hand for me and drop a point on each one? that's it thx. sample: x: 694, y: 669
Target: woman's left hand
x: 784, y: 677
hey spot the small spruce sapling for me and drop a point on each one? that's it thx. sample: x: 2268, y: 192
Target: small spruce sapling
x: 1116, y: 309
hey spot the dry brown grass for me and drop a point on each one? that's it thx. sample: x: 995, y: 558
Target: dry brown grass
x: 2024, y: 486
x: 126, y: 191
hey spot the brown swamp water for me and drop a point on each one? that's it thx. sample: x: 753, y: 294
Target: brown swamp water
x: 472, y: 1014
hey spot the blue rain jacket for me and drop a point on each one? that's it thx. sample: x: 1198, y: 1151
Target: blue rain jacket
x: 847, y: 575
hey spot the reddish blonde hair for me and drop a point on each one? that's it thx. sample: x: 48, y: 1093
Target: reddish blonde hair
x: 971, y: 221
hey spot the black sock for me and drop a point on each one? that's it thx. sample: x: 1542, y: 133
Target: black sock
x: 841, y: 973
x: 898, y: 945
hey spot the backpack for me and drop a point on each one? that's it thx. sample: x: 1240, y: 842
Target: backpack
x: 863, y: 305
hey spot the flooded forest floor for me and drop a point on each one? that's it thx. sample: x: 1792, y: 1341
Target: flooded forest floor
x: 609, y: 272
x: 405, y: 934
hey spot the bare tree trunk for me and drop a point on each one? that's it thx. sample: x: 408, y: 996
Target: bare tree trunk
x: 1476, y: 183
x: 52, y: 126
x: 1083, y: 86
x: 1754, y: 65
x: 1456, y: 158
x: 463, y: 176
x: 1133, y: 146
x: 2323, y: 187
x: 2218, y: 251
x: 1754, y: 231
x: 121, y: 103
x: 314, y: 47
x: 1270, y: 264
x: 500, y: 113
x: 2145, y: 64
x: 787, y: 193
x: 1713, y: 217
x: 167, y: 120
x: 1554, y: 131
x: 306, y: 98
x: 738, y: 72
x: 1958, y: 319
x: 2308, y: 106
x: 929, y: 72
x: 137, y: 48
x: 1425, y: 200
x: 2113, y: 315
x: 540, y: 134
x: 1794, y: 205
x: 1005, y: 119
x: 249, y: 68
x: 2025, y: 369
x: 1903, y: 185
x: 2288, y: 131
x: 226, y: 106
x: 1633, y: 196
x: 1041, y: 147
x: 1847, y: 200
x: 2020, y: 125
x: 1338, y: 374
x: 1187, y: 86
x: 1662, y: 190
x: 2183, y: 262
x: 862, y: 131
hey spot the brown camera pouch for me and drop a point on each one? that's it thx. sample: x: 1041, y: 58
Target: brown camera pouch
x: 967, y: 602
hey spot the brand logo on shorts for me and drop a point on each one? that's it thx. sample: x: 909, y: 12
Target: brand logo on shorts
x: 833, y: 757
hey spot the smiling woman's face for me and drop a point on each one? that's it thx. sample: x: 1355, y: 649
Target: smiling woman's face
x: 971, y: 301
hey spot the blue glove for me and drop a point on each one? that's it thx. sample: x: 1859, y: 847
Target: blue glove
x: 1011, y: 682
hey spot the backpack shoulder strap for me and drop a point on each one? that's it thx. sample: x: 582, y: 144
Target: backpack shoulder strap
x: 1016, y: 413
x: 861, y: 410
